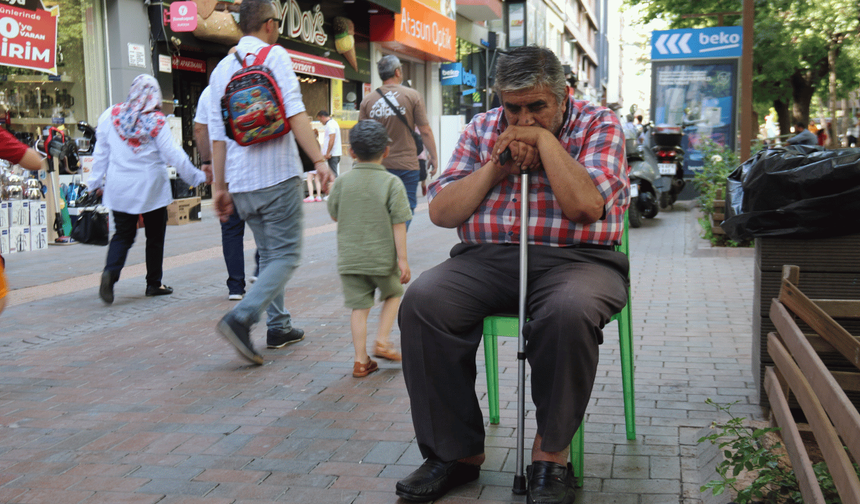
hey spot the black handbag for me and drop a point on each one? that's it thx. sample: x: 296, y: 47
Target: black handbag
x: 419, y: 142
x: 91, y: 228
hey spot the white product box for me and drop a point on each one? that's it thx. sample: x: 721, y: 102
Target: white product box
x: 38, y: 237
x: 19, y: 213
x: 38, y: 213
x: 4, y: 215
x: 19, y: 239
x: 4, y: 241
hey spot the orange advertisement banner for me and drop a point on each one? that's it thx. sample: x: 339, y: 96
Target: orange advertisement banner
x: 422, y: 28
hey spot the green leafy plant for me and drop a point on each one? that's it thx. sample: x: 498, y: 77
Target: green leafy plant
x: 719, y: 162
x: 743, y: 449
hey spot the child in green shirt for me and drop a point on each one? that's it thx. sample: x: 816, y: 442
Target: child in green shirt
x: 370, y: 207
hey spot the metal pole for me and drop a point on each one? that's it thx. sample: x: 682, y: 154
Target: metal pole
x: 519, y: 478
x: 746, y: 80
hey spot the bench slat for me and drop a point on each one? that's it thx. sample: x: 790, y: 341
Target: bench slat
x: 837, y: 460
x: 806, y: 479
x: 838, y: 406
x: 820, y: 322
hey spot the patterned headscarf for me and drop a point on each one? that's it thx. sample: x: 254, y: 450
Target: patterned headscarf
x: 139, y: 117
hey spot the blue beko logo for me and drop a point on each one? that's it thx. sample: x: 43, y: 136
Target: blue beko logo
x: 702, y: 43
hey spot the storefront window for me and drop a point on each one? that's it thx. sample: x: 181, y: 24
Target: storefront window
x: 34, y: 95
x: 454, y: 101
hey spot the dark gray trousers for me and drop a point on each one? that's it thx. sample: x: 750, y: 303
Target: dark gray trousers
x: 572, y: 294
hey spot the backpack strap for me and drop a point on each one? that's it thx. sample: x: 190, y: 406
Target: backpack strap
x: 259, y: 58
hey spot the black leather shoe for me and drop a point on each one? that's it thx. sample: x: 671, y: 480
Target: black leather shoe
x: 161, y: 290
x: 550, y: 483
x: 106, y: 287
x: 435, y: 478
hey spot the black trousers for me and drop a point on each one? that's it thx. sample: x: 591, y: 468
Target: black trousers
x: 572, y: 294
x: 155, y: 226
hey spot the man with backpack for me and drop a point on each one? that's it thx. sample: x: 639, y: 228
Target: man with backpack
x: 400, y: 109
x: 267, y: 191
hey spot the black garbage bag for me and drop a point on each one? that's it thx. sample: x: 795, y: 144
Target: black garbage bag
x: 734, y: 186
x: 799, y: 192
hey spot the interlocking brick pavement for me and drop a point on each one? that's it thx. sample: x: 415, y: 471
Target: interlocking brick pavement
x: 140, y: 402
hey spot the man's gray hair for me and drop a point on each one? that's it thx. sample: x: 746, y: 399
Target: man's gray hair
x: 368, y: 139
x: 253, y: 13
x: 387, y: 65
x: 530, y: 67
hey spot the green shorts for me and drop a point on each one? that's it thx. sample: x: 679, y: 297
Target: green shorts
x: 358, y: 289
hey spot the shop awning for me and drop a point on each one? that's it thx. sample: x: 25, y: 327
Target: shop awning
x: 316, y: 65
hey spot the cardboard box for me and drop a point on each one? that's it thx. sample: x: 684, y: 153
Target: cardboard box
x: 183, y: 211
x: 4, y: 241
x: 4, y: 215
x: 38, y: 213
x: 19, y: 213
x: 19, y: 239
x: 38, y: 237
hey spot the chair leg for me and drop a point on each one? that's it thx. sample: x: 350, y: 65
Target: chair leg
x: 491, y: 359
x: 577, y: 454
x: 626, y: 336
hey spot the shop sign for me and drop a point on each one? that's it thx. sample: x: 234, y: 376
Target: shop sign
x: 418, y: 27
x: 305, y: 25
x: 29, y: 37
x: 316, y: 65
x: 189, y: 64
x: 183, y: 16
x: 453, y: 74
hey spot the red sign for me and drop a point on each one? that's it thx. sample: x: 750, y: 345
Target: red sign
x: 183, y: 16
x: 188, y: 64
x: 29, y: 38
x: 316, y: 65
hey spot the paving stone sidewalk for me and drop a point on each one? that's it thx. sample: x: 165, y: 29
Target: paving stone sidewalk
x: 141, y: 402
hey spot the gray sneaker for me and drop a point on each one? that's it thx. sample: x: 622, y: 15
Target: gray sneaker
x: 239, y: 337
x: 277, y: 339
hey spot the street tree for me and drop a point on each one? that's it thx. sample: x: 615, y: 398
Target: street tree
x: 801, y: 47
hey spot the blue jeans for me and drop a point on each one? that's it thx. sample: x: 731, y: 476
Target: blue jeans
x: 232, y: 244
x: 274, y: 215
x: 410, y: 181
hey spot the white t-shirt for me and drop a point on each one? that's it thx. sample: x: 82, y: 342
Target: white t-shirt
x: 234, y: 155
x: 332, y: 129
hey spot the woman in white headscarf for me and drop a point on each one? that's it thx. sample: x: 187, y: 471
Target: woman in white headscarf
x: 133, y: 148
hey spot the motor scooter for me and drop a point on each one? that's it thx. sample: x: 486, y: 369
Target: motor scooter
x: 665, y: 142
x: 644, y: 192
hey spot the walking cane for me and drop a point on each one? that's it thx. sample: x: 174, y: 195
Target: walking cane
x: 519, y: 478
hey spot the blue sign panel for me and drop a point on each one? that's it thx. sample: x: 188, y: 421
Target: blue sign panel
x: 720, y: 42
x: 453, y: 74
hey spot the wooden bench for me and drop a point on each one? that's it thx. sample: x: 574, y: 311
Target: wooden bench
x: 820, y: 392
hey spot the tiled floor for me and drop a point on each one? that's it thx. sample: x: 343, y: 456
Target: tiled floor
x: 141, y: 402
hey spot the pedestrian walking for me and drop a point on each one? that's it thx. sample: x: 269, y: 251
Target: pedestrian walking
x: 579, y: 191
x: 371, y: 210
x: 400, y: 109
x: 267, y: 190
x: 130, y: 171
x: 331, y: 145
x: 233, y: 229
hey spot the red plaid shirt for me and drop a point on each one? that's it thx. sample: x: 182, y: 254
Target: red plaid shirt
x: 592, y: 135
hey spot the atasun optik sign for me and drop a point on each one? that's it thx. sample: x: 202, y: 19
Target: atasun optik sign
x: 28, y: 35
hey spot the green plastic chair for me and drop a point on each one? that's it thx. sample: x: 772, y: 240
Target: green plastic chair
x: 502, y: 325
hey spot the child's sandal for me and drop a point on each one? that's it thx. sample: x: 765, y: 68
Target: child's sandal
x: 360, y: 370
x: 386, y: 351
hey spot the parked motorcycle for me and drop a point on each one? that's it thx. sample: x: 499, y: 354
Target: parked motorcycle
x: 644, y: 192
x: 665, y: 142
